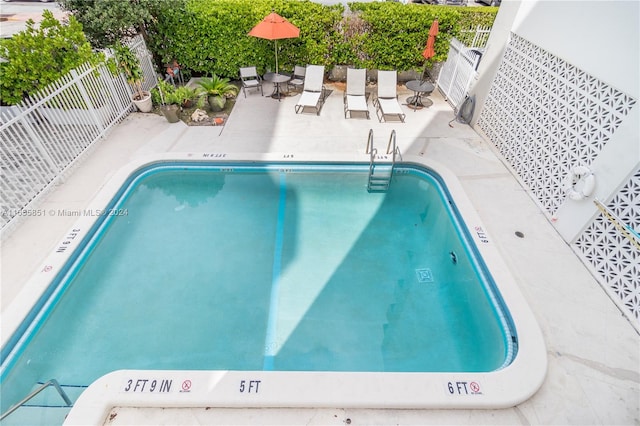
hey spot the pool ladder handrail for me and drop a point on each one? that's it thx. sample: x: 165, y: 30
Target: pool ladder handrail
x: 371, y: 151
x: 392, y: 148
x: 52, y: 382
x: 377, y: 183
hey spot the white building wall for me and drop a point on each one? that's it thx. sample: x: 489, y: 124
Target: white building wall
x: 599, y: 37
x: 559, y: 86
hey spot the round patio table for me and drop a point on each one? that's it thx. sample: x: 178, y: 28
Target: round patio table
x: 419, y: 88
x: 277, y: 80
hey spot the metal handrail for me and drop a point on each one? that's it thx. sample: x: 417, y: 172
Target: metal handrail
x: 372, y: 155
x: 45, y: 385
x: 627, y: 231
x: 370, y: 141
x: 396, y: 150
x: 392, y: 139
x: 392, y: 148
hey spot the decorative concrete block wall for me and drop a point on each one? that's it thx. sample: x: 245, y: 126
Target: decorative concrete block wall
x: 546, y: 116
x: 612, y: 255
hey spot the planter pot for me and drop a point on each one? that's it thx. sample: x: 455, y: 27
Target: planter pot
x: 187, y: 104
x: 144, y: 104
x: 216, y: 103
x: 171, y: 113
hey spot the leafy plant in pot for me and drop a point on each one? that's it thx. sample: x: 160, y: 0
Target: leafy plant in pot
x: 166, y: 97
x: 187, y: 96
x: 218, y: 89
x: 171, y: 110
x: 171, y: 99
x: 128, y: 62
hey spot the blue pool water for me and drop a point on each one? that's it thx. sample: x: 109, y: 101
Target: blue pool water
x: 290, y: 267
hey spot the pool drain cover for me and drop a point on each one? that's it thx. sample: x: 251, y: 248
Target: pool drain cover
x: 424, y: 275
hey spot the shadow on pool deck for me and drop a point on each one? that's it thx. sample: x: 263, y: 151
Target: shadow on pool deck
x: 593, y: 351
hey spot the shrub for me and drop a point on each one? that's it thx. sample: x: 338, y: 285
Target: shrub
x: 210, y: 36
x: 396, y: 34
x: 218, y: 86
x: 470, y: 17
x: 40, y: 55
x: 107, y: 21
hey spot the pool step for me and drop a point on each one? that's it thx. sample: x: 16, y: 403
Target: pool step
x: 379, y: 181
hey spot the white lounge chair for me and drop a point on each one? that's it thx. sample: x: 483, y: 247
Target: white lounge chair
x: 297, y: 79
x: 250, y: 80
x: 313, y: 92
x: 386, y: 101
x: 355, y: 97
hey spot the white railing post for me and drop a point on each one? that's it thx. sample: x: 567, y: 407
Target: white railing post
x: 117, y: 100
x: 87, y: 99
x: 475, y: 37
x: 38, y: 144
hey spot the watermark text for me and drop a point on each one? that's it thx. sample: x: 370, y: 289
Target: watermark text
x: 11, y: 213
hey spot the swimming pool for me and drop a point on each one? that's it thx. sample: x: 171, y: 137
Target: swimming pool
x: 279, y: 273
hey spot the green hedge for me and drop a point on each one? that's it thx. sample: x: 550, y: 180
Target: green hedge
x: 210, y: 36
x: 398, y: 33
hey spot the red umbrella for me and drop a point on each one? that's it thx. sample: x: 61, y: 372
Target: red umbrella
x: 429, y: 52
x: 275, y: 27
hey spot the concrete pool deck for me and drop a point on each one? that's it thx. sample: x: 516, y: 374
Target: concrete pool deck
x: 593, y: 352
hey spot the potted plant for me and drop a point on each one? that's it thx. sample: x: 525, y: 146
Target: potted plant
x: 171, y: 110
x: 218, y: 89
x: 128, y: 62
x: 159, y: 93
x: 165, y: 97
x: 187, y: 96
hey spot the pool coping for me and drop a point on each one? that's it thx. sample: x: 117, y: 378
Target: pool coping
x: 500, y: 389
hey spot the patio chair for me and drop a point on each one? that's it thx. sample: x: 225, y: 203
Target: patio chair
x: 355, y: 97
x: 297, y: 79
x: 173, y: 74
x: 386, y: 101
x: 250, y: 80
x: 313, y: 92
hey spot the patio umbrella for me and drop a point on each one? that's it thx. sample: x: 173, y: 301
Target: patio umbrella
x: 430, y: 51
x: 275, y: 27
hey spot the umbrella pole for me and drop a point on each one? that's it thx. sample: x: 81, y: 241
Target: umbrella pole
x: 276, y: 41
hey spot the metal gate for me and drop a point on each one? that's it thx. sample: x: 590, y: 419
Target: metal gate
x: 458, y: 72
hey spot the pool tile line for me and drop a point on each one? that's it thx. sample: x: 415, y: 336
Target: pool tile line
x: 271, y: 344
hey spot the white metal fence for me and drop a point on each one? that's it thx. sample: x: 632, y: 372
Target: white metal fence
x: 458, y: 72
x: 43, y: 136
x: 475, y: 37
x: 148, y: 69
